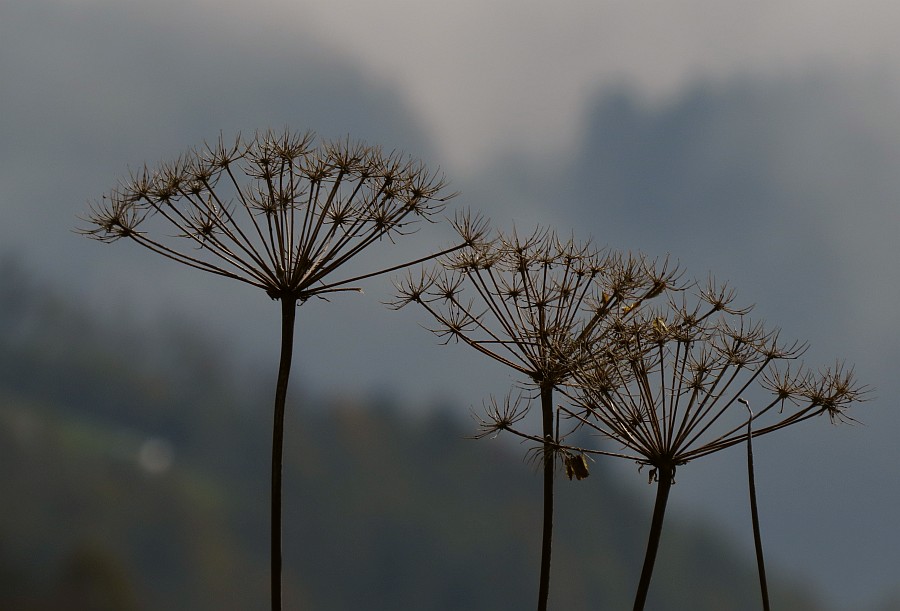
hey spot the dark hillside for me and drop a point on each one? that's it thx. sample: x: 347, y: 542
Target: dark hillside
x: 140, y: 482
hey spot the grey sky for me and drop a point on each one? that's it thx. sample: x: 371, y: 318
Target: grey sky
x: 490, y: 75
x: 758, y: 141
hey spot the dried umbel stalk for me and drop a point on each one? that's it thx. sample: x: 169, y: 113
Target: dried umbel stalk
x: 533, y: 303
x: 278, y: 212
x: 667, y: 388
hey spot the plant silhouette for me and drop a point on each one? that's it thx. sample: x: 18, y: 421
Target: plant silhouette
x: 532, y: 303
x: 280, y: 213
x: 666, y: 387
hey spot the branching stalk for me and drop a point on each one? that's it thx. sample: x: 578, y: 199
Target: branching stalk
x: 667, y: 386
x: 308, y: 210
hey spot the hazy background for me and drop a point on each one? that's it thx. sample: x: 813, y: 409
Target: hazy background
x: 757, y: 142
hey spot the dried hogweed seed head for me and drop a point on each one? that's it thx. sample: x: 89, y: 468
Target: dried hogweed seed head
x: 531, y: 301
x: 536, y: 303
x: 275, y: 211
x: 501, y: 417
x: 665, y: 385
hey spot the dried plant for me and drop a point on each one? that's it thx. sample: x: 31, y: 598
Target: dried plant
x: 280, y: 213
x: 665, y: 386
x: 533, y: 303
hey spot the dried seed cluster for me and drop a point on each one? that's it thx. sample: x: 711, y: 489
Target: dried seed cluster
x: 277, y: 211
x: 666, y: 388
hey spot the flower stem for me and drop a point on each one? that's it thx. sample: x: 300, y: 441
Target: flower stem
x: 288, y: 315
x: 754, y: 514
x: 664, y: 483
x: 549, y: 469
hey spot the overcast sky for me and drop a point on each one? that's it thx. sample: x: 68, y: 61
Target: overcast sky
x: 488, y: 76
x: 754, y: 140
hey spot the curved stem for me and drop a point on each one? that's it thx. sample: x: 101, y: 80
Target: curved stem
x: 549, y: 469
x: 288, y: 315
x: 754, y: 514
x: 664, y: 483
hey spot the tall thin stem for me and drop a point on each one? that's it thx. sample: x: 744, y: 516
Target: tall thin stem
x: 664, y: 484
x: 288, y: 316
x: 549, y: 469
x: 754, y: 514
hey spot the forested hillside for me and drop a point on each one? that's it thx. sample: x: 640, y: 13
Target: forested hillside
x: 135, y: 475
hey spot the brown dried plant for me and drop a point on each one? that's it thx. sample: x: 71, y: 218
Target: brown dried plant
x: 280, y: 213
x: 665, y: 387
x: 533, y: 303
